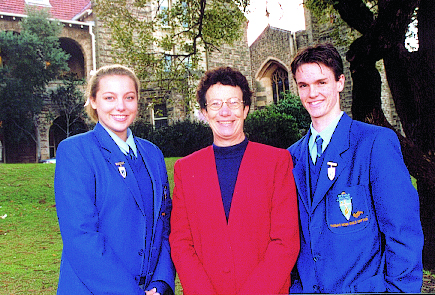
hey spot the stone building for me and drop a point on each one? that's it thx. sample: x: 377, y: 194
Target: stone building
x: 273, y: 51
x: 77, y: 39
x: 266, y: 64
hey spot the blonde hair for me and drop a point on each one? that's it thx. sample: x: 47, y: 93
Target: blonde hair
x: 94, y: 85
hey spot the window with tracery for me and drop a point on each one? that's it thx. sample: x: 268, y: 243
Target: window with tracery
x: 279, y: 84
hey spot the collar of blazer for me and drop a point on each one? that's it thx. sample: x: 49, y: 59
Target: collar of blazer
x: 335, y: 152
x: 114, y: 156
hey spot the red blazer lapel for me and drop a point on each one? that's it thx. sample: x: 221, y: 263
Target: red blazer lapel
x: 207, y: 191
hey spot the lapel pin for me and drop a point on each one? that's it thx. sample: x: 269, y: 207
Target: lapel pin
x: 121, y: 169
x: 331, y: 170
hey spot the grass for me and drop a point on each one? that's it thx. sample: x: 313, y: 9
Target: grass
x: 30, y: 241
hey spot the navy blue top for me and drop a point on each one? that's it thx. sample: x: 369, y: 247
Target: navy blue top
x: 228, y: 160
x: 315, y: 173
x: 146, y: 189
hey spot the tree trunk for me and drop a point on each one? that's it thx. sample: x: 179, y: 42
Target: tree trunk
x: 37, y: 139
x: 411, y: 79
x: 425, y: 90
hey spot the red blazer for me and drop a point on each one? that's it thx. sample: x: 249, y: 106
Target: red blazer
x: 256, y: 250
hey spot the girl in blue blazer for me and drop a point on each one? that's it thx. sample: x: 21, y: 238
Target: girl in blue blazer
x: 112, y: 198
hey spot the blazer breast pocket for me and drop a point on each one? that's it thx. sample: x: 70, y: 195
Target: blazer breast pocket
x: 348, y: 211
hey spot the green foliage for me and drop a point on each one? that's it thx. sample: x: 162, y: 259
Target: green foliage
x: 170, y: 59
x: 326, y: 14
x: 33, y: 56
x: 278, y: 125
x: 30, y: 60
x: 177, y: 140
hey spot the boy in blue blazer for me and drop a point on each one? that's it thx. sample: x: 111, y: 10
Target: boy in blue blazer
x: 359, y: 212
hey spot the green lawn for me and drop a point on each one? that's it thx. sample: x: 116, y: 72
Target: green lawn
x: 30, y: 241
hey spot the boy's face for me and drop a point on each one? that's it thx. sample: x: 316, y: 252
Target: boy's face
x: 319, y: 92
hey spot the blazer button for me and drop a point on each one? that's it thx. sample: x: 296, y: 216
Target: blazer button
x: 140, y: 252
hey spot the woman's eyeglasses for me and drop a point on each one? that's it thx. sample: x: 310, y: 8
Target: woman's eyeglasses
x: 232, y: 103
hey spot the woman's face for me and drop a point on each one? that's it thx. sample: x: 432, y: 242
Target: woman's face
x: 116, y: 103
x: 226, y: 123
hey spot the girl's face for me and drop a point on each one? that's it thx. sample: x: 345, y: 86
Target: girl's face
x: 116, y: 103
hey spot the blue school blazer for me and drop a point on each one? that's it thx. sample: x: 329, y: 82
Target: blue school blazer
x: 102, y: 219
x: 362, y: 231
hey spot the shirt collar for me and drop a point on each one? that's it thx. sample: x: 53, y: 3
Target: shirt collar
x: 326, y: 135
x: 124, y: 146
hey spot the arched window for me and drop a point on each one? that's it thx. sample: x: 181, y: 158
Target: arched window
x: 279, y: 84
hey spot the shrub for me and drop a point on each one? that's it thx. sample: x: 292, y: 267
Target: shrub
x: 142, y: 128
x: 278, y: 125
x: 177, y: 140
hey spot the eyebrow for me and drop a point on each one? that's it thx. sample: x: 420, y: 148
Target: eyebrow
x: 113, y: 93
x: 316, y: 81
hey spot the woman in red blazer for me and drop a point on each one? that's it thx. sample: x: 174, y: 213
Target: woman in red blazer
x: 234, y: 220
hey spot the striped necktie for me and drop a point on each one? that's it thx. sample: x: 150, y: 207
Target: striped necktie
x: 131, y: 154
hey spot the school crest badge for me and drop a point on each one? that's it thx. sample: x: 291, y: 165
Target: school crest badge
x: 121, y: 169
x: 345, y: 202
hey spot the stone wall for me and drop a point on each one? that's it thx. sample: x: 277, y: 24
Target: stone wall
x: 273, y: 48
x: 318, y: 33
x: 236, y: 56
x: 10, y: 23
x: 276, y: 46
x: 78, y: 34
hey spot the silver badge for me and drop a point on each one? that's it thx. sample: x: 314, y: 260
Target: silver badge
x: 121, y: 169
x: 331, y: 170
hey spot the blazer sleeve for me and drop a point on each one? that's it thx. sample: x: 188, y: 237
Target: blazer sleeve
x: 165, y: 270
x: 92, y: 260
x: 187, y: 263
x: 274, y: 270
x: 397, y: 211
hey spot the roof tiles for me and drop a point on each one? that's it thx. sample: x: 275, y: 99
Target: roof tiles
x: 60, y: 9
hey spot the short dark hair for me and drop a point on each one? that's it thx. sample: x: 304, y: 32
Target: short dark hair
x: 225, y: 76
x: 324, y: 53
